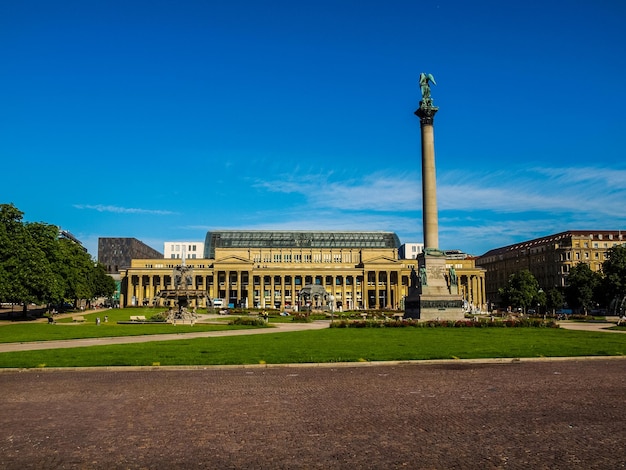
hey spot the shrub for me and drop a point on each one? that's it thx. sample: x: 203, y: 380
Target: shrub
x: 301, y: 318
x: 159, y: 317
x: 248, y: 321
x: 511, y: 323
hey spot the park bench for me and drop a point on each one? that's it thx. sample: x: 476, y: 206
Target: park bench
x: 78, y: 319
x: 137, y: 318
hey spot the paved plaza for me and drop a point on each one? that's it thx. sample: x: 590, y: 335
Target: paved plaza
x: 567, y: 414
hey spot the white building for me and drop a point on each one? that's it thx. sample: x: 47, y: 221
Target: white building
x: 184, y: 249
x: 410, y: 250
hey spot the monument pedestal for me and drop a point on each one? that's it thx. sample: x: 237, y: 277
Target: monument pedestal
x: 434, y: 292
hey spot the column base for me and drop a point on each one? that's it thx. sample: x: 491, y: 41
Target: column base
x: 434, y: 308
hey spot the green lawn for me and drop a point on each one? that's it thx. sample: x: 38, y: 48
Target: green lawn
x: 335, y: 345
x: 65, y: 328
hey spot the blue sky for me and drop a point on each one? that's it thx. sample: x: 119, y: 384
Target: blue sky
x: 161, y: 120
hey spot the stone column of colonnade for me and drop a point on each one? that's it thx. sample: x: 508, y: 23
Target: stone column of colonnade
x: 283, y: 289
x: 238, y: 285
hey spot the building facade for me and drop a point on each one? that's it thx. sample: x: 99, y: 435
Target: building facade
x: 268, y: 269
x: 548, y: 258
x: 116, y: 253
x: 410, y: 250
x: 185, y: 249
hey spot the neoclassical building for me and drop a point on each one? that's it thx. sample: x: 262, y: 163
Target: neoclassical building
x: 548, y: 258
x: 268, y: 269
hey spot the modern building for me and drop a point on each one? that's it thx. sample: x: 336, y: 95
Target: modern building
x: 548, y: 258
x: 116, y: 253
x: 268, y: 269
x: 68, y: 236
x: 411, y: 250
x: 184, y: 249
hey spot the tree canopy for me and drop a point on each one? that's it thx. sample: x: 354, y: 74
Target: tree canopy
x: 522, y: 291
x: 581, y: 291
x: 37, y: 266
x: 614, y: 282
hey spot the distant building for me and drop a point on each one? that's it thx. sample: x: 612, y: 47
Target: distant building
x: 187, y: 250
x: 270, y: 269
x: 410, y: 250
x: 548, y: 258
x: 67, y: 235
x: 116, y: 253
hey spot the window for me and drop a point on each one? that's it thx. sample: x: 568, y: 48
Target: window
x: 277, y: 258
x: 297, y: 258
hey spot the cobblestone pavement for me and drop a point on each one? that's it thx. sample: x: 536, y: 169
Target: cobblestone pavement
x: 552, y: 414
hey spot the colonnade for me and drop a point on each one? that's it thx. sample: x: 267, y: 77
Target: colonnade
x: 275, y: 288
x: 351, y: 289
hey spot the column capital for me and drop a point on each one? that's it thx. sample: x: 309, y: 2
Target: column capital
x: 426, y: 113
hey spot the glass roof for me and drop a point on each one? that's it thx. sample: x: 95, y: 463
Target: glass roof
x: 296, y: 239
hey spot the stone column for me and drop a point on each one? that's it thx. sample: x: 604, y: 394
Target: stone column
x: 376, y: 292
x: 430, y: 222
x: 282, y: 292
x: 238, y: 285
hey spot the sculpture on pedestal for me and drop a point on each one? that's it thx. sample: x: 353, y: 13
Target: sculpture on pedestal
x: 425, y: 80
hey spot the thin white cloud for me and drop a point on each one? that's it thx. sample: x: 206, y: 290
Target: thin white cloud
x: 548, y: 190
x: 377, y: 192
x: 122, y: 210
x: 611, y: 178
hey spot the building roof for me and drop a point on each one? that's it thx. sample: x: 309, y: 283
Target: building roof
x: 591, y: 234
x: 296, y: 239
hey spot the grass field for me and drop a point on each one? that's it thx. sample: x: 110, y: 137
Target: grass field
x: 66, y: 328
x: 334, y: 345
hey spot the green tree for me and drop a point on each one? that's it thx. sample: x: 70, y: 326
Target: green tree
x: 582, y: 287
x: 521, y: 290
x: 25, y: 268
x: 74, y: 266
x: 614, y: 271
x: 102, y: 285
x: 36, y: 266
x: 11, y: 230
x: 614, y: 282
x: 554, y: 299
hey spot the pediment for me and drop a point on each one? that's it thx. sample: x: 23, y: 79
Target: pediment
x: 380, y: 260
x: 233, y: 260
